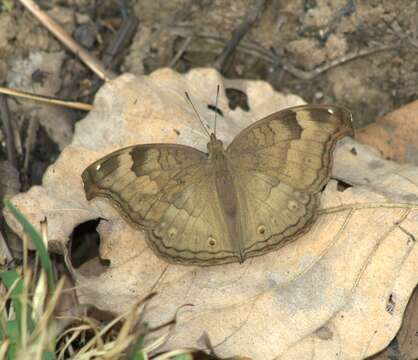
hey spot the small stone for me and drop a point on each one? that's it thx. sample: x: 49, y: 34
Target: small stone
x: 306, y: 52
x: 336, y: 47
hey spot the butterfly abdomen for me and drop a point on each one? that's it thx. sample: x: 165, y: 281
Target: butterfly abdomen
x: 228, y: 201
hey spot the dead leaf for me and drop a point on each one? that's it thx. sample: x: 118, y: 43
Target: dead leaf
x: 33, y: 74
x: 339, y: 291
x: 395, y: 135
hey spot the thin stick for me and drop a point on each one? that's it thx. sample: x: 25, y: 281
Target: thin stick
x: 271, y: 57
x: 56, y: 29
x: 309, y: 75
x: 181, y: 51
x: 216, y: 110
x: 122, y: 38
x: 198, y: 116
x: 239, y: 33
x: 46, y: 99
x: 8, y: 131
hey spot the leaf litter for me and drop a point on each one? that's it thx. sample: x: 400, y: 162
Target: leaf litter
x: 340, y: 289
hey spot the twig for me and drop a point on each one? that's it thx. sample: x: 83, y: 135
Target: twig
x: 123, y: 9
x: 181, y: 51
x: 309, y: 75
x: 239, y: 33
x: 176, y: 17
x: 61, y: 35
x: 271, y: 57
x: 122, y: 38
x: 46, y: 99
x: 395, y: 29
x: 8, y: 131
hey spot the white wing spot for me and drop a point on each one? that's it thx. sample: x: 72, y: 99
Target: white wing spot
x: 98, y: 167
x: 292, y: 205
x: 330, y: 111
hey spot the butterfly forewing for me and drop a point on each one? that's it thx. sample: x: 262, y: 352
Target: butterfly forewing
x: 168, y: 190
x: 280, y: 164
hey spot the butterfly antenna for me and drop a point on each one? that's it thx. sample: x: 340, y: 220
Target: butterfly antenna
x: 216, y: 108
x: 198, y: 116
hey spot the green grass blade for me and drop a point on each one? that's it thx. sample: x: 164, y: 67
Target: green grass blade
x: 48, y: 355
x: 11, y: 352
x: 138, y: 356
x: 183, y: 357
x: 37, y: 241
x: 13, y: 330
x: 138, y: 346
x: 9, y: 279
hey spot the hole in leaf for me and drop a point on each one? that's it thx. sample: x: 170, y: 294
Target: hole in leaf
x: 237, y: 98
x: 45, y: 152
x: 215, y: 109
x: 342, y: 186
x: 85, y: 242
x: 390, y: 304
x: 353, y: 151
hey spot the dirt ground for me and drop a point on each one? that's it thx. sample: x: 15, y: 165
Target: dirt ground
x: 360, y: 54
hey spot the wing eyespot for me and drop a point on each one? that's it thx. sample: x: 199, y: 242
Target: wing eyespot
x: 261, y: 230
x: 172, y: 232
x: 292, y: 205
x: 211, y: 241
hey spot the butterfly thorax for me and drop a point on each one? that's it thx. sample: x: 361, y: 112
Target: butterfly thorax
x: 226, y: 192
x: 218, y: 158
x: 215, y: 148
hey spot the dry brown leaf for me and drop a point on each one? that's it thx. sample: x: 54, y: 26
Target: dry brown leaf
x: 339, y: 291
x: 395, y: 135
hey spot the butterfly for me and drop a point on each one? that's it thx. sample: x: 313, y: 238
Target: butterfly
x: 231, y: 203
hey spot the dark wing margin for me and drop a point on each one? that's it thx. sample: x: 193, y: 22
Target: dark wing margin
x: 138, y: 178
x: 167, y: 191
x: 295, y: 144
